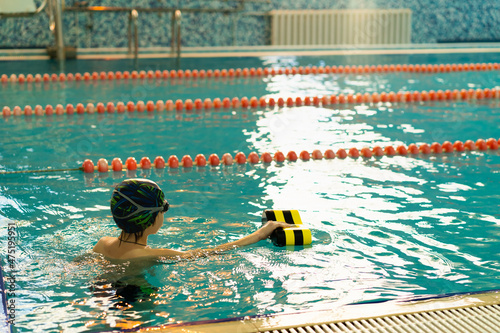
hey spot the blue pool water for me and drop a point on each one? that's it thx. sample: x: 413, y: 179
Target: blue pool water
x: 382, y: 228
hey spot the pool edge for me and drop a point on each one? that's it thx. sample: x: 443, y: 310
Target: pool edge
x: 343, y: 313
x: 256, y: 51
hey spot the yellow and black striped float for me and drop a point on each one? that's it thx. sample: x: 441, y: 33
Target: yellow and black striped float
x: 289, y: 236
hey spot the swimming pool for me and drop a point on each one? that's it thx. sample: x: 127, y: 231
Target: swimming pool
x: 382, y: 228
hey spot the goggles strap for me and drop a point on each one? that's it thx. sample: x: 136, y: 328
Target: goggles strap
x: 139, y: 207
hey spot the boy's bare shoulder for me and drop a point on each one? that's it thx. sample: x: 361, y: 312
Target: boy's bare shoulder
x: 104, y: 241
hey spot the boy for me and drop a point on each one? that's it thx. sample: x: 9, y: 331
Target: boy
x: 138, y: 206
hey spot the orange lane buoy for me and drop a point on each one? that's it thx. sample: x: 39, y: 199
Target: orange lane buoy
x: 90, y: 108
x: 188, y: 104
x: 254, y: 102
x: 213, y: 160
x: 316, y: 154
x: 291, y: 156
x: 28, y: 111
x: 179, y: 105
x: 200, y: 160
x: 187, y: 161
x: 389, y: 151
x: 198, y: 104
x: 470, y: 145
x: 377, y: 151
x: 102, y: 165
x: 160, y: 106
x: 131, y: 163
x: 159, y: 162
x: 207, y: 103
x: 354, y: 152
x: 341, y: 153
x: 279, y: 156
x: 424, y: 148
x: 88, y: 166
x: 145, y: 163
x: 173, y: 162
x: 329, y: 154
x: 492, y: 144
x: 436, y: 148
x: 366, y: 152
x: 402, y: 150
x: 227, y: 159
x: 262, y: 102
x: 266, y: 157
x: 217, y: 103
x: 253, y: 158
x: 235, y: 102
x: 240, y: 158
x: 49, y: 110
x: 117, y: 164
x: 481, y: 144
x: 458, y: 146
x: 304, y: 155
x: 150, y: 106
x: 140, y: 106
x: 244, y: 102
x: 169, y: 105
x: 447, y: 147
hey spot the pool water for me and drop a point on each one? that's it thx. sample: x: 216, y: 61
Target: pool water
x: 383, y: 228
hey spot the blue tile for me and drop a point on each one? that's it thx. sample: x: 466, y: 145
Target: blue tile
x: 432, y: 21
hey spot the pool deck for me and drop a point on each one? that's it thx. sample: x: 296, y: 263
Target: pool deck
x: 339, y: 315
x: 257, y: 51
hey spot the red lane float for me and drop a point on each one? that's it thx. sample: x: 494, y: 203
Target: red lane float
x: 279, y: 157
x: 187, y: 161
x: 102, y: 165
x: 116, y: 164
x: 240, y: 158
x: 246, y: 72
x: 159, y: 162
x: 266, y: 157
x: 244, y: 103
x: 145, y: 163
x: 253, y: 158
x: 173, y: 162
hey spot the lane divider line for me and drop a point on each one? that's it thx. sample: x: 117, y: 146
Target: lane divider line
x: 213, y: 160
x: 227, y: 159
x: 253, y: 102
x: 247, y: 72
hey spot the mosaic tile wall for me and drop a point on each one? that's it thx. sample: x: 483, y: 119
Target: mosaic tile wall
x: 433, y: 21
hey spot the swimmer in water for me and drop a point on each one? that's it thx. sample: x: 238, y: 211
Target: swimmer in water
x: 138, y: 206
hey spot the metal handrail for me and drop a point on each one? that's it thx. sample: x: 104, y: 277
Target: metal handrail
x: 56, y: 14
x: 176, y: 32
x: 155, y: 10
x: 133, y: 25
x: 176, y: 18
x: 26, y: 14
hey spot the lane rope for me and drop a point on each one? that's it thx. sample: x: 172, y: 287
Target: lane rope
x: 227, y: 159
x: 247, y: 72
x: 253, y: 102
x: 39, y: 171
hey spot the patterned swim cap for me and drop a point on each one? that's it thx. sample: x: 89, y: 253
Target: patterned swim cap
x: 135, y: 203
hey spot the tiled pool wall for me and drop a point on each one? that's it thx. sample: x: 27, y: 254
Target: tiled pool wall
x: 433, y: 21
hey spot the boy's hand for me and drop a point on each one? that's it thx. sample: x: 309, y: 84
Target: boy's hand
x: 267, y: 229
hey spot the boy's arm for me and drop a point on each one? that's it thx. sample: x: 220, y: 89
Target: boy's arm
x: 263, y: 233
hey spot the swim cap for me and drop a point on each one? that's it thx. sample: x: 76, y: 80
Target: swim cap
x: 135, y: 203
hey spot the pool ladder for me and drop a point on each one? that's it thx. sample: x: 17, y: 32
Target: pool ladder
x: 133, y: 36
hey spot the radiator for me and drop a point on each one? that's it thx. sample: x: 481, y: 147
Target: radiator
x: 340, y: 27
